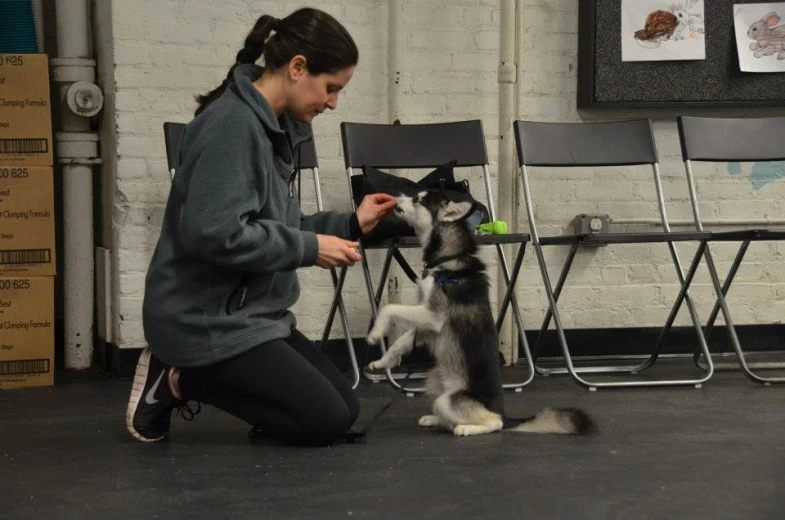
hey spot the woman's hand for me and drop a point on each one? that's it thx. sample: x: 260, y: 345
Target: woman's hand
x: 372, y: 208
x: 336, y: 252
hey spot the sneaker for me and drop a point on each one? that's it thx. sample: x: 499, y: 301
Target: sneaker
x: 151, y: 403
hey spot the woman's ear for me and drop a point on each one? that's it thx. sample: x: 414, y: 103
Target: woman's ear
x: 298, y: 67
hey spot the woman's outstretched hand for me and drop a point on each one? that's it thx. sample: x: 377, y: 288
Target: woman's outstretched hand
x: 372, y: 209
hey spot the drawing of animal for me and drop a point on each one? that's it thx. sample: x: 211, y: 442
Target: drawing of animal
x: 768, y: 38
x: 663, y: 25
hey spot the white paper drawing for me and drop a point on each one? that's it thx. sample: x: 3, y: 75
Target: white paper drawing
x: 760, y: 36
x: 659, y: 30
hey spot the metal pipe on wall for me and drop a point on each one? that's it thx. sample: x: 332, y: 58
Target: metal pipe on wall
x: 395, y: 64
x: 506, y: 169
x: 77, y: 152
x: 706, y: 222
x: 394, y: 107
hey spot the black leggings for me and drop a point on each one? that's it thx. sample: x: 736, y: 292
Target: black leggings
x: 288, y: 388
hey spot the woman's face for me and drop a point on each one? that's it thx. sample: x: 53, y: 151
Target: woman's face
x: 312, y: 94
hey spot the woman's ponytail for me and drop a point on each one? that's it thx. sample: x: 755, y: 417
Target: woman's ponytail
x: 250, y: 53
x: 314, y: 34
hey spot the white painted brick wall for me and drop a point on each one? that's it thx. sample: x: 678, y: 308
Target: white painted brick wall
x: 165, y: 51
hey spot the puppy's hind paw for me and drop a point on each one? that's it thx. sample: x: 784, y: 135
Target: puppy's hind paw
x: 429, y: 421
x: 465, y: 430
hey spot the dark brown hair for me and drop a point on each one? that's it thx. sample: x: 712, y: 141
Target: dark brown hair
x: 325, y: 43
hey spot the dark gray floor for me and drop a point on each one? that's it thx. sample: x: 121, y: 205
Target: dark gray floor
x: 717, y: 452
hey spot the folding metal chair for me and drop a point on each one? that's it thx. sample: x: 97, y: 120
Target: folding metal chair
x: 304, y: 158
x: 708, y: 139
x: 623, y: 143
x: 428, y: 146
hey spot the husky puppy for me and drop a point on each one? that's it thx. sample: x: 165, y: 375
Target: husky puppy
x: 454, y: 318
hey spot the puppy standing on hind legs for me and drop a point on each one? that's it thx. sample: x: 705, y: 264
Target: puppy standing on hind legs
x: 454, y: 318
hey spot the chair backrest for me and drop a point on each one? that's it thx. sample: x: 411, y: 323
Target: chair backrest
x: 732, y: 139
x: 713, y: 139
x: 413, y: 146
x: 305, y: 155
x: 416, y: 146
x: 617, y: 143
x: 173, y: 138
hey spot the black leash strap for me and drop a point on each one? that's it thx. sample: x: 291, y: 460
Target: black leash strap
x: 359, y: 437
x: 405, y: 265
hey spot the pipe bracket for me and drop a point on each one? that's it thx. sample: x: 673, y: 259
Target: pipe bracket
x: 507, y: 72
x: 68, y: 70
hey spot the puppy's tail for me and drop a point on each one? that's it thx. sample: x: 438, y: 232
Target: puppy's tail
x: 571, y: 421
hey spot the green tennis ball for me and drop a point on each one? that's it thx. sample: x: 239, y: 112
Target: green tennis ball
x: 499, y: 227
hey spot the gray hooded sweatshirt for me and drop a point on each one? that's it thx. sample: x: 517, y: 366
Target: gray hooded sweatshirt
x: 222, y: 278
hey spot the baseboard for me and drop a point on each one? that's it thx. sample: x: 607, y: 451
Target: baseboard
x: 640, y: 340
x: 121, y: 363
x: 114, y: 361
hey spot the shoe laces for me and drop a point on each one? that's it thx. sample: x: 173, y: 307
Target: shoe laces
x: 185, y: 411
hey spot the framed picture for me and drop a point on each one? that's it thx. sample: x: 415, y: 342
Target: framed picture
x: 671, y: 74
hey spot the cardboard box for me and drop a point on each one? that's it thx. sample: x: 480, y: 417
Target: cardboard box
x: 25, y: 114
x: 26, y: 332
x: 27, y: 221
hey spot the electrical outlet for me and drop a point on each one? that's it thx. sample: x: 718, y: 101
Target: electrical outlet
x: 591, y: 224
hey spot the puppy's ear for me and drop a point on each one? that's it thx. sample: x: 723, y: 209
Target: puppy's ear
x: 455, y: 211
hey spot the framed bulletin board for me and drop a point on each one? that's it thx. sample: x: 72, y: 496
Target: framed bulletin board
x: 605, y: 81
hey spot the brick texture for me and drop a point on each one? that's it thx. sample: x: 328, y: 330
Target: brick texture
x: 166, y: 51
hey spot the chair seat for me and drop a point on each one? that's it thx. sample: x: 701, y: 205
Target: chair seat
x: 748, y: 234
x: 626, y: 238
x: 482, y: 240
x: 560, y: 240
x: 640, y: 238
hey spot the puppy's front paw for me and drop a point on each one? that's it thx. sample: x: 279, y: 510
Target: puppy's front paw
x: 376, y: 366
x: 375, y: 336
x: 386, y: 361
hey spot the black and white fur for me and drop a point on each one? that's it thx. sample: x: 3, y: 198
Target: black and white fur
x: 454, y: 318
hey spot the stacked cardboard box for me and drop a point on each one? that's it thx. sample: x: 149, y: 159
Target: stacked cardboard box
x: 27, y: 231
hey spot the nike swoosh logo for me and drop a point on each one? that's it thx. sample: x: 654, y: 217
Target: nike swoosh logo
x: 150, y: 397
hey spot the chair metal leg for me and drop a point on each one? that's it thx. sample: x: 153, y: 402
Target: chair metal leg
x: 375, y: 298
x: 696, y: 323
x: 508, y: 297
x: 606, y: 369
x: 721, y: 291
x: 726, y: 286
x: 715, y: 311
x: 622, y: 384
x: 338, y: 303
x: 683, y: 295
x: 337, y: 299
x: 559, y: 285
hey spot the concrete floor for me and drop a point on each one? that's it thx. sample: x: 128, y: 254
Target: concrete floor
x: 716, y: 452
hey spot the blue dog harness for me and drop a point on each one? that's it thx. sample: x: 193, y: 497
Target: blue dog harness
x: 441, y: 280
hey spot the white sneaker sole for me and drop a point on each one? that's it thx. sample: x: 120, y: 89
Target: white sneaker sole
x: 137, y: 390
